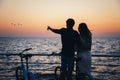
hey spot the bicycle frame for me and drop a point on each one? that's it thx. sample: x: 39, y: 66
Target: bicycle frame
x: 25, y: 72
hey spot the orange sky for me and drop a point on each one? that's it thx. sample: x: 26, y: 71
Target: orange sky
x: 31, y: 17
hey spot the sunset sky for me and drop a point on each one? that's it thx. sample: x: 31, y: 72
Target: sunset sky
x: 31, y: 17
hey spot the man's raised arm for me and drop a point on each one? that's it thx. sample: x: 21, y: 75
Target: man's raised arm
x: 58, y: 31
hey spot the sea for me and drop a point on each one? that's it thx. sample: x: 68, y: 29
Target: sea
x: 104, y: 68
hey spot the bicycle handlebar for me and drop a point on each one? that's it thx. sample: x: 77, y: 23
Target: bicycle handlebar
x: 27, y: 49
x: 54, y: 53
x: 24, y: 51
x: 75, y: 57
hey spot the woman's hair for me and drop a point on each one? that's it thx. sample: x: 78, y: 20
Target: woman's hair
x: 84, y: 31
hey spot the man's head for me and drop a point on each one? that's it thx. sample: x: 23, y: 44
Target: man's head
x: 70, y: 23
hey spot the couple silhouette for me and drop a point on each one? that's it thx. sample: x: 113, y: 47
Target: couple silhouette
x: 74, y: 41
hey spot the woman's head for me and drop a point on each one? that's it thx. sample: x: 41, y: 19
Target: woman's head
x: 83, y: 30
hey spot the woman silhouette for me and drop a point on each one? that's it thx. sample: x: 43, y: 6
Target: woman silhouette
x: 84, y: 52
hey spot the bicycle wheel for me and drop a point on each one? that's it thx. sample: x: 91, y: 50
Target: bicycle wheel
x: 57, y: 72
x: 19, y: 73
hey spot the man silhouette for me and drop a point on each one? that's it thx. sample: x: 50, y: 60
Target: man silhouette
x: 69, y: 38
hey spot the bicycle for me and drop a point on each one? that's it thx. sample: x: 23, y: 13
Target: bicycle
x: 79, y: 76
x: 22, y: 72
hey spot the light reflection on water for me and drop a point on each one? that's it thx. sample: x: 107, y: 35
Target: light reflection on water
x: 49, y: 45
